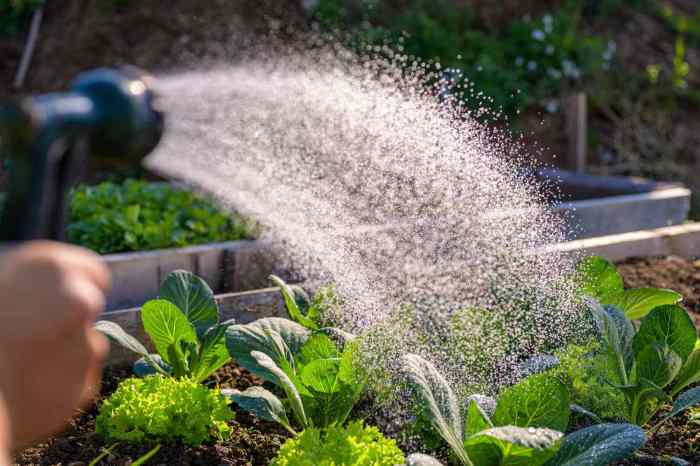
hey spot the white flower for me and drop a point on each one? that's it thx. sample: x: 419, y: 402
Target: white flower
x: 552, y: 106
x: 547, y: 20
x: 537, y: 34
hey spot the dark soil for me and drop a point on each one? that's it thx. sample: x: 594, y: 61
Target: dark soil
x: 252, y: 443
x: 674, y: 273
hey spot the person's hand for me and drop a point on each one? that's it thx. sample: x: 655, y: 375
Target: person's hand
x: 50, y: 356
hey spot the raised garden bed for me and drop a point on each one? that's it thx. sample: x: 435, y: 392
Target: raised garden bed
x: 249, y: 440
x: 607, y: 205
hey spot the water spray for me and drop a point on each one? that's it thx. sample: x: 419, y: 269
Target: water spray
x: 48, y: 139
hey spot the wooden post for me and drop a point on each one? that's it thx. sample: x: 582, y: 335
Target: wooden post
x: 575, y: 114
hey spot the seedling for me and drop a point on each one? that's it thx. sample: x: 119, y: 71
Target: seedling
x: 184, y: 328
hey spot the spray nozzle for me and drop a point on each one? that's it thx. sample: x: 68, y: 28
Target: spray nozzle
x: 107, y: 114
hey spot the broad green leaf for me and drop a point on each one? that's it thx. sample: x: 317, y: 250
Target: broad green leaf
x: 477, y: 419
x: 348, y: 372
x: 657, y: 363
x: 689, y: 374
x: 318, y: 346
x: 151, y: 365
x: 213, y: 352
x: 513, y: 446
x: 116, y: 333
x: 438, y: 402
x: 598, y: 278
x: 670, y: 325
x: 419, y: 459
x: 638, y: 302
x: 684, y: 401
x: 291, y: 304
x: 166, y: 326
x: 643, y: 398
x: 286, y: 384
x: 193, y: 297
x: 697, y: 344
x: 262, y: 403
x: 241, y: 340
x: 538, y: 401
x: 617, y: 333
x: 322, y: 375
x: 599, y: 445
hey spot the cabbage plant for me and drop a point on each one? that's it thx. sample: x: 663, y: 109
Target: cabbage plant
x: 183, y: 325
x: 654, y: 363
x: 523, y: 427
x: 314, y: 372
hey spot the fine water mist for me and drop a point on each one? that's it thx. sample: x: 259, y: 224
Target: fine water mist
x: 367, y: 173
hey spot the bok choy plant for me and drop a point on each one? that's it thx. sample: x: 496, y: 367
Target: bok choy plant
x: 524, y: 427
x: 316, y: 377
x: 183, y: 325
x: 653, y: 363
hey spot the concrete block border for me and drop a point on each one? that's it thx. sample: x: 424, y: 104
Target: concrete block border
x: 680, y: 240
x: 228, y: 266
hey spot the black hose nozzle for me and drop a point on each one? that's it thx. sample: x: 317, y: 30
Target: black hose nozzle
x: 47, y: 139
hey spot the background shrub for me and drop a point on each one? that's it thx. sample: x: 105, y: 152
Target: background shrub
x: 159, y: 408
x: 137, y: 215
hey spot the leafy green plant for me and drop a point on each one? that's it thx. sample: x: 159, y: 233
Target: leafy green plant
x: 651, y: 364
x: 585, y: 372
x: 184, y: 328
x: 354, y: 445
x: 319, y: 381
x: 599, y: 279
x: 524, y: 427
x: 157, y: 408
x: 137, y: 215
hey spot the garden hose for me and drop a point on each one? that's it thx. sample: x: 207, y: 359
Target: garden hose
x: 46, y: 141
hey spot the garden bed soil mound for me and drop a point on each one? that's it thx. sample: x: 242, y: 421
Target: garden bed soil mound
x: 674, y: 273
x: 252, y: 443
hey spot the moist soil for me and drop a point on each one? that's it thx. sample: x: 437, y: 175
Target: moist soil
x: 252, y: 443
x: 674, y: 273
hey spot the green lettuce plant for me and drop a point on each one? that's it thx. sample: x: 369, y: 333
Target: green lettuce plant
x: 137, y: 215
x: 316, y: 377
x: 157, y: 408
x: 651, y: 364
x: 524, y: 428
x: 354, y: 445
x: 585, y: 372
x: 184, y: 328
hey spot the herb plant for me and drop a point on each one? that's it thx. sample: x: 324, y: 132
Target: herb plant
x: 354, y: 445
x: 652, y: 364
x: 157, y: 408
x: 184, y: 328
x: 318, y: 378
x: 137, y: 215
x: 524, y: 427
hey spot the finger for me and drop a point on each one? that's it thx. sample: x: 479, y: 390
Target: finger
x: 71, y: 257
x: 85, y: 300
